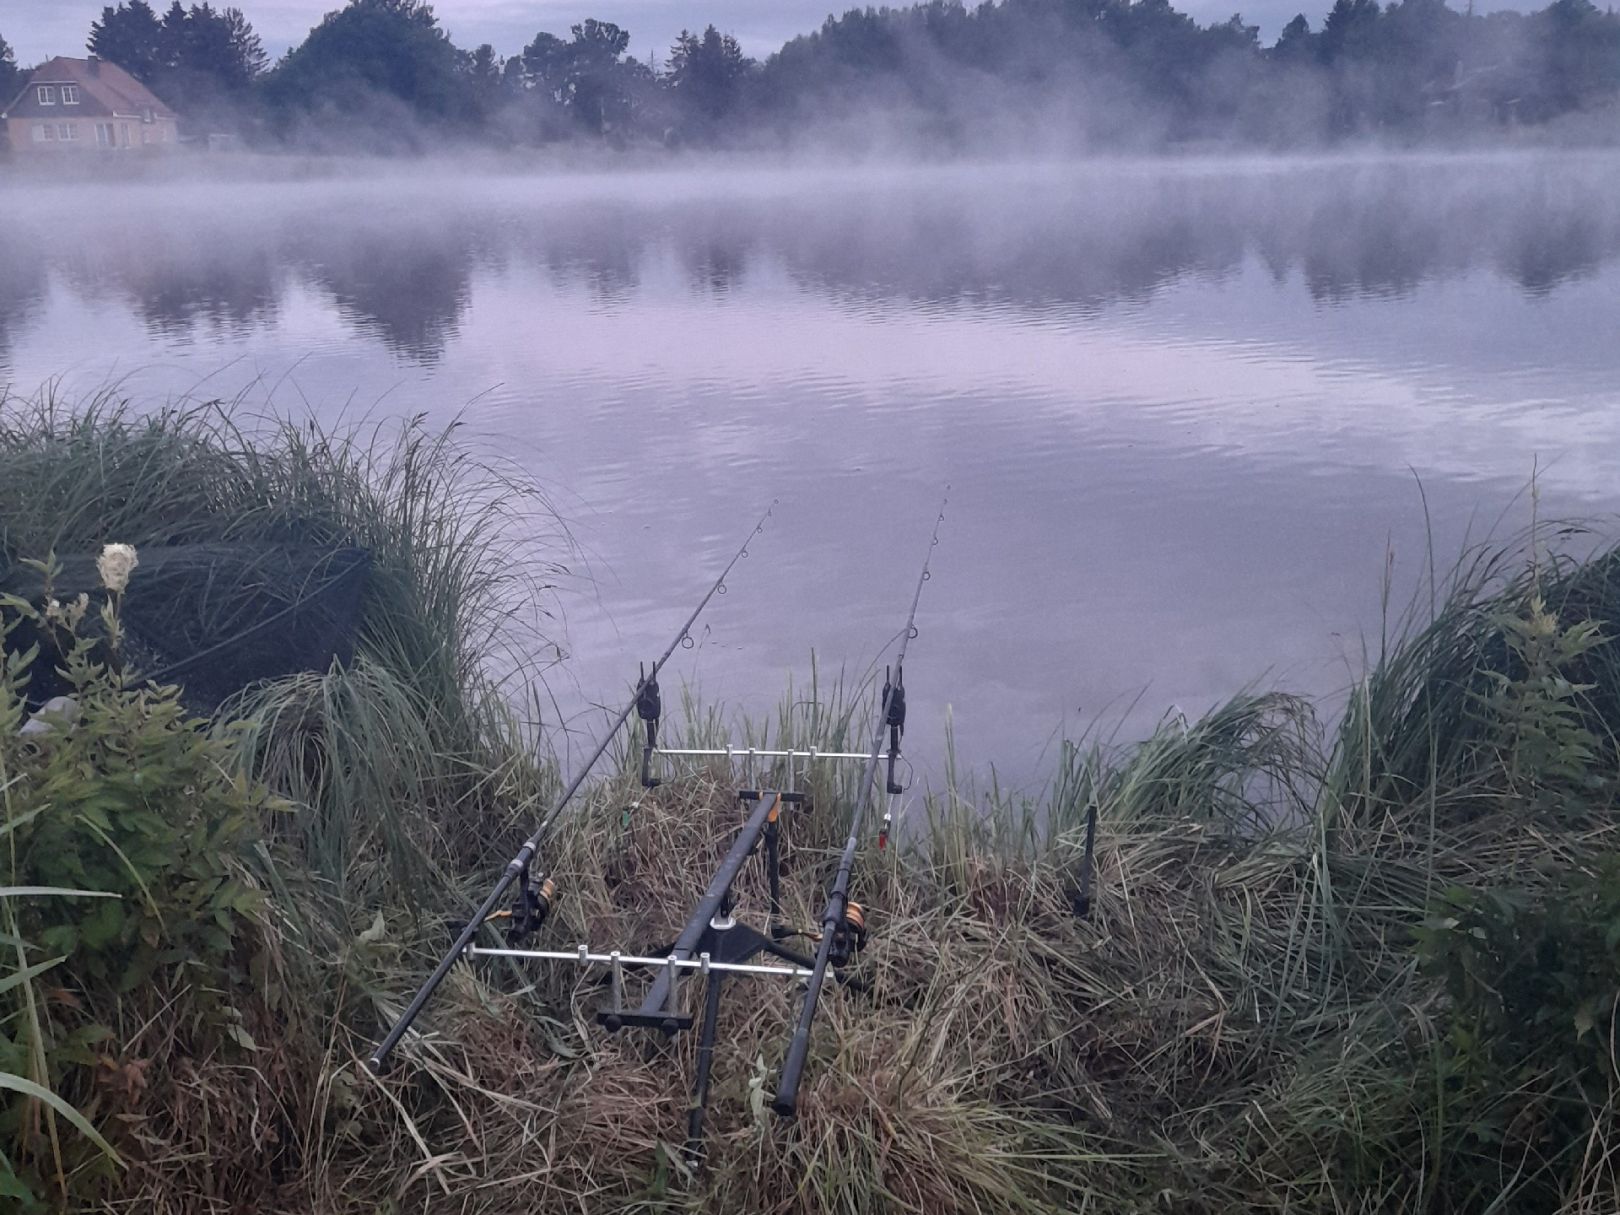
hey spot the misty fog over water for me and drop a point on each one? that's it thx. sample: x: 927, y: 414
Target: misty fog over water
x: 1185, y: 407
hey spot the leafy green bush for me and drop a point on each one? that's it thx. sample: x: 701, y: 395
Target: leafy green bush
x: 1527, y: 1062
x: 1530, y: 967
x: 122, y: 795
x: 1545, y: 750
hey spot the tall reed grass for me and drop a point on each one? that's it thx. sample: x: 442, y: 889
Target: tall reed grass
x: 464, y: 553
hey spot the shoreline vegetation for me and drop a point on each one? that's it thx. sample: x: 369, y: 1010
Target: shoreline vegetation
x: 1020, y: 77
x: 1365, y: 966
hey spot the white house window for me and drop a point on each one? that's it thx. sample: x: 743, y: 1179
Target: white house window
x: 70, y: 131
x: 106, y: 135
x: 47, y: 94
x: 41, y: 132
x: 70, y: 94
x: 50, y: 131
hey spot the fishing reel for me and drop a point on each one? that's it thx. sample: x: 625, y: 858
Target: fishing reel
x: 534, y: 904
x: 849, y: 938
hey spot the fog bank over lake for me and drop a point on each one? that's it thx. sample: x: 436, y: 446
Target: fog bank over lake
x: 1186, y: 407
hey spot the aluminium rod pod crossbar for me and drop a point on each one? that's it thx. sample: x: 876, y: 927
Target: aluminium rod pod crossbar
x: 732, y: 753
x: 584, y: 957
x: 760, y: 753
x: 786, y: 1102
x: 519, y: 864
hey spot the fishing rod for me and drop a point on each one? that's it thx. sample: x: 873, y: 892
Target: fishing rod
x: 536, y: 900
x: 843, y: 924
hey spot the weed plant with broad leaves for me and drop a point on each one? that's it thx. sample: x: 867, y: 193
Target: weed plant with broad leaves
x: 1526, y: 1081
x: 125, y: 850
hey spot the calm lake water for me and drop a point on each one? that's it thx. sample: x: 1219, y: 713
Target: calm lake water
x: 1187, y: 410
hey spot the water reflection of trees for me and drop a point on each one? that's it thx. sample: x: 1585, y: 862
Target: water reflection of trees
x: 207, y: 275
x: 22, y: 288
x: 1557, y: 248
x: 1089, y: 243
x: 715, y: 256
x: 1079, y: 238
x: 180, y: 283
x: 408, y: 286
x: 602, y: 246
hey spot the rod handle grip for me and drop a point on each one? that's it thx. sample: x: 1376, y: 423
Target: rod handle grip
x: 786, y: 1103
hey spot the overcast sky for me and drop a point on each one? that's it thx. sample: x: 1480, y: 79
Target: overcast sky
x: 38, y: 29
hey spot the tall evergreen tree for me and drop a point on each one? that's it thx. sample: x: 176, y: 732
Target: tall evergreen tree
x: 1348, y: 31
x: 247, y: 55
x: 1296, y: 43
x: 483, y: 70
x: 132, y: 36
x: 706, y: 74
x: 220, y: 45
x: 484, y: 67
x: 10, y: 75
x: 173, y: 38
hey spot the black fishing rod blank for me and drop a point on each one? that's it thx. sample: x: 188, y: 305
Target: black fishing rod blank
x: 535, y: 897
x: 843, y: 922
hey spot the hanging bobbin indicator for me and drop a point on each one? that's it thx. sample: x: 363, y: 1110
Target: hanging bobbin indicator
x: 894, y: 717
x: 650, y: 708
x: 894, y: 720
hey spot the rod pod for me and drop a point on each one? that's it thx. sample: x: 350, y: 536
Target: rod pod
x: 518, y: 866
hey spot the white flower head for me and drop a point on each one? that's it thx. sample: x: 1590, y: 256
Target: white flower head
x: 116, y: 563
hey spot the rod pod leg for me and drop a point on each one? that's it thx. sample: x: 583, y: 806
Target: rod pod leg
x: 773, y: 873
x: 705, y: 1062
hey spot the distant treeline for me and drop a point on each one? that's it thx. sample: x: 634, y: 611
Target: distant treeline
x: 1055, y: 74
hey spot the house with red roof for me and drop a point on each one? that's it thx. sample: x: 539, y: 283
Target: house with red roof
x: 74, y: 105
